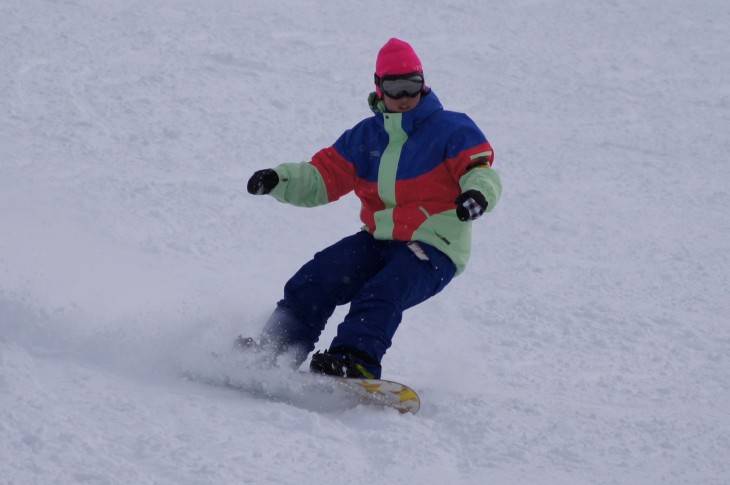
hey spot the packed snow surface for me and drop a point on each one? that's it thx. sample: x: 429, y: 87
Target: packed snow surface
x: 588, y: 341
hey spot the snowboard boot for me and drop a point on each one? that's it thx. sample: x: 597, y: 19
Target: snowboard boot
x: 259, y: 355
x: 250, y: 346
x: 268, y: 353
x: 342, y: 362
x: 247, y: 344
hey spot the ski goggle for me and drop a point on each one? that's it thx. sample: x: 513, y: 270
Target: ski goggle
x: 401, y: 86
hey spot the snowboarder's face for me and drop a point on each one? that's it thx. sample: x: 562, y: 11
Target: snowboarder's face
x: 401, y: 105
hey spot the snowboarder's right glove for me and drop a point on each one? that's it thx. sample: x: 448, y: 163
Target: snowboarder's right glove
x: 470, y: 205
x: 263, y: 181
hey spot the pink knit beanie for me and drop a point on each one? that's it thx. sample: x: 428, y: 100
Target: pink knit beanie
x: 396, y: 57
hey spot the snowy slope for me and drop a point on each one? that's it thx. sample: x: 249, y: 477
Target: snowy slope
x: 587, y: 342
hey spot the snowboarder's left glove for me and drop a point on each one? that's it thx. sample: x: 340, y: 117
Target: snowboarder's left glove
x: 470, y: 205
x: 263, y: 181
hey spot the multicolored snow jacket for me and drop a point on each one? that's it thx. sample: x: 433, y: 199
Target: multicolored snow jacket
x: 407, y: 169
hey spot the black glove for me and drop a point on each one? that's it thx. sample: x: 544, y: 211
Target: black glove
x: 470, y: 205
x: 262, y: 181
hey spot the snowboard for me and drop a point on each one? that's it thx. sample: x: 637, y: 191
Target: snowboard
x: 382, y: 393
x: 315, y: 392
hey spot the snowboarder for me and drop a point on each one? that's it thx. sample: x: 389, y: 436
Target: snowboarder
x: 422, y: 175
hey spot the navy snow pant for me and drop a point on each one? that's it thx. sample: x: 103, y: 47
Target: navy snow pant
x: 380, y: 279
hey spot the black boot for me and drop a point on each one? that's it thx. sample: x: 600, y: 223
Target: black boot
x: 247, y: 344
x: 272, y: 353
x: 340, y: 364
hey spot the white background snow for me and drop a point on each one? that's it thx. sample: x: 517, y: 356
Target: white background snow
x: 587, y: 342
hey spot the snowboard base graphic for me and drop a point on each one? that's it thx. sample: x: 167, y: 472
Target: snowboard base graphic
x: 315, y: 392
x: 384, y: 393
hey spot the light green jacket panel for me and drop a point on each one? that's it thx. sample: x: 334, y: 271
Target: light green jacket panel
x: 485, y: 180
x: 300, y: 184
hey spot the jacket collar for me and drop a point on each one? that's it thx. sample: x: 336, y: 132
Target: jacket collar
x: 411, y: 120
